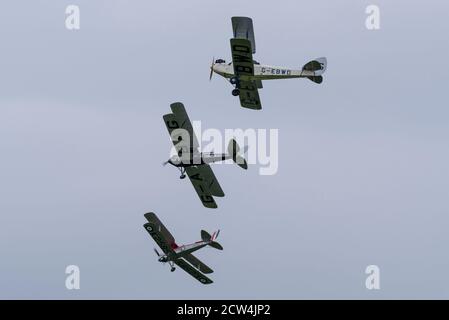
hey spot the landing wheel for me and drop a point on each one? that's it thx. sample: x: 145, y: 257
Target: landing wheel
x: 172, y: 269
x: 233, y: 80
x: 235, y: 92
x: 183, y: 171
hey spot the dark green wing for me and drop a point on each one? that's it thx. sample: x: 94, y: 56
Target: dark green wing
x: 159, y: 233
x: 192, y: 271
x: 180, y: 128
x: 201, y: 186
x: 197, y: 263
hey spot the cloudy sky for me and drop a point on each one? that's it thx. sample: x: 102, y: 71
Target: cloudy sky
x: 363, y: 174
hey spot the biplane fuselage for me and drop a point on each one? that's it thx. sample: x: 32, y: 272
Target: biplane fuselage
x: 246, y: 74
x: 191, y: 162
x: 181, y: 255
x: 202, y: 158
x: 180, y: 251
x: 261, y: 72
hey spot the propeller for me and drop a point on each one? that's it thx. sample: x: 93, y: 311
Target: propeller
x: 164, y: 262
x: 165, y: 163
x: 211, y: 69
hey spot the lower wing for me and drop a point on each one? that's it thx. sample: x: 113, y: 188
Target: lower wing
x: 192, y: 271
x: 212, y: 183
x: 201, y: 186
x: 194, y: 261
x: 249, y: 96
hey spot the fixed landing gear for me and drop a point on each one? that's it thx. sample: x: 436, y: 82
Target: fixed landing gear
x: 235, y: 82
x: 183, y: 173
x: 172, y: 269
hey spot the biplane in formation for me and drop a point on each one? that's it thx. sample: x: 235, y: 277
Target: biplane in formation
x: 246, y: 74
x: 189, y: 160
x: 180, y: 255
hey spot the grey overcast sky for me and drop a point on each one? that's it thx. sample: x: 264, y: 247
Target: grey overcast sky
x: 363, y: 158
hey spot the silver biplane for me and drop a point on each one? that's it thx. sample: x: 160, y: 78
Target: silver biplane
x: 180, y: 255
x: 246, y: 74
x: 196, y: 164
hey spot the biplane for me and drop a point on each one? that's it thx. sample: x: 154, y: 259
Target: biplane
x: 246, y: 74
x: 189, y: 160
x: 181, y: 256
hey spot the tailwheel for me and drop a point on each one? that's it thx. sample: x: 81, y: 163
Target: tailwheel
x: 172, y: 269
x: 235, y: 92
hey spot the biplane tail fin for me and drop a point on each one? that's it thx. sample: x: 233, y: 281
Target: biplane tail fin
x: 233, y: 149
x: 318, y: 66
x: 205, y: 236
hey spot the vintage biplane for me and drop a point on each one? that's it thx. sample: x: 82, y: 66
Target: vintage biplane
x: 246, y: 74
x: 181, y: 255
x: 191, y: 161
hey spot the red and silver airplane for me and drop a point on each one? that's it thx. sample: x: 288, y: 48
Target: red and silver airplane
x: 181, y: 255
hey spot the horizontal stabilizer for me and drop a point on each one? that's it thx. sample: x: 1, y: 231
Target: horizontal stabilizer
x: 216, y: 245
x: 206, y: 237
x: 316, y: 79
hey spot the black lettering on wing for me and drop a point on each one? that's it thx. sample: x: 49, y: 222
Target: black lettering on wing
x: 196, y: 177
x: 237, y: 58
x: 207, y: 199
x: 244, y: 69
x: 240, y: 48
x: 172, y: 124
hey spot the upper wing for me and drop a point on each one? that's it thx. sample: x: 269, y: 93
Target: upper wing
x: 179, y: 119
x: 249, y: 95
x: 197, y: 263
x: 160, y: 234
x: 201, y: 186
x: 243, y: 28
x: 192, y: 271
